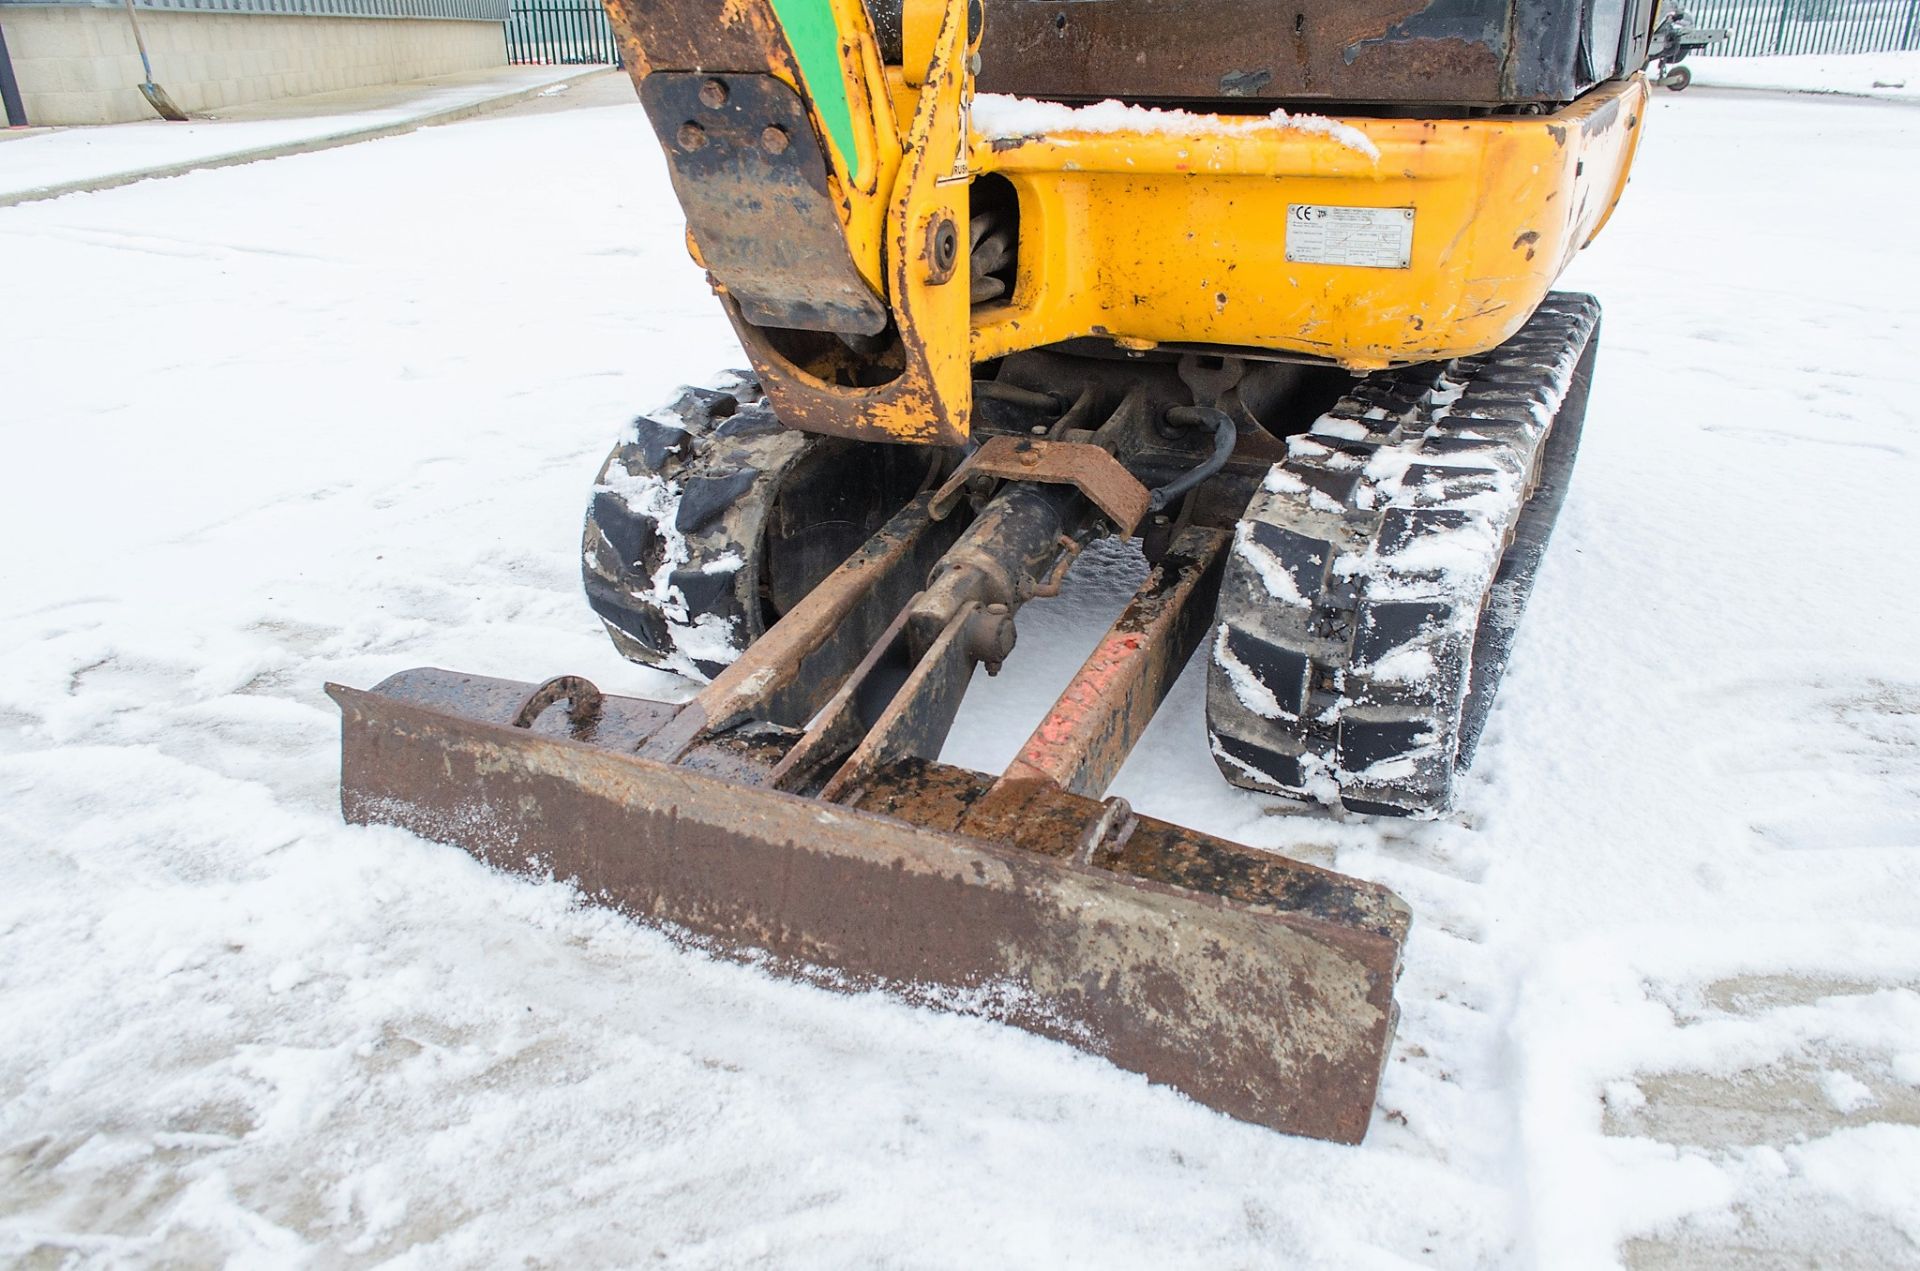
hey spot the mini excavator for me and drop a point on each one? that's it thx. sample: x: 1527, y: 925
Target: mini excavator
x: 1263, y: 286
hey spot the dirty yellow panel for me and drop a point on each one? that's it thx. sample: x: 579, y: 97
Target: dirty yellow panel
x: 1157, y: 237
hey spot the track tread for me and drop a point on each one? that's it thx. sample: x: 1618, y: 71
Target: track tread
x: 670, y: 546
x: 1361, y: 569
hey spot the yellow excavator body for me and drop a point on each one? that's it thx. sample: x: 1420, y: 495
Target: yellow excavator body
x: 1181, y: 237
x: 1151, y: 227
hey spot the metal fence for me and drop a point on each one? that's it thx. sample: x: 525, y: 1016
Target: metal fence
x: 560, y: 33
x: 576, y: 32
x: 1765, y: 27
x: 456, y: 10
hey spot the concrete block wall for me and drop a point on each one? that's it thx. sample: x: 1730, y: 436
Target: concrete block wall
x: 79, y: 65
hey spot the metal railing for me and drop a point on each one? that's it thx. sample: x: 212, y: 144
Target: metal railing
x: 1765, y: 27
x: 560, y: 33
x: 455, y: 10
x: 576, y: 32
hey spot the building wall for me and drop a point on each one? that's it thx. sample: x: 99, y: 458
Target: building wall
x: 77, y: 64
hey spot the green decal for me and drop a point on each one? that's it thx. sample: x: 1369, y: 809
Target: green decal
x: 815, y: 39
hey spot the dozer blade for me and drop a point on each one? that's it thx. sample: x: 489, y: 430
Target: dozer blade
x: 1257, y: 985
x: 795, y: 809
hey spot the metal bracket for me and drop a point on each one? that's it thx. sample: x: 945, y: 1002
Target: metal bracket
x: 584, y: 703
x: 1086, y: 467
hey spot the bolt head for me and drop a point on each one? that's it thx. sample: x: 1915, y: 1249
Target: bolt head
x: 713, y: 94
x: 943, y: 249
x: 691, y: 136
x: 774, y: 139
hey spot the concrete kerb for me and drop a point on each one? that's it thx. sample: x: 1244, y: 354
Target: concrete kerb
x: 305, y: 145
x: 1708, y: 88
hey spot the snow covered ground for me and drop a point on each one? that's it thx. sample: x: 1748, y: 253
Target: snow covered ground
x: 1891, y: 75
x: 58, y: 158
x: 335, y: 415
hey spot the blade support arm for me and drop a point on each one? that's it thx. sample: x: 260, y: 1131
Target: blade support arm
x: 1085, y: 739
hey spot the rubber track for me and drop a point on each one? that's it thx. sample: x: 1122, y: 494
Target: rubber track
x: 672, y: 538
x: 1377, y: 577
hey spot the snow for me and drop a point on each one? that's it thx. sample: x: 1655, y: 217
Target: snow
x: 707, y: 636
x: 1341, y: 429
x: 1253, y: 694
x: 62, y: 156
x: 261, y: 435
x: 1886, y: 1158
x: 1846, y: 1092
x: 1403, y: 666
x: 1274, y: 574
x: 1279, y: 481
x: 999, y: 115
x: 1890, y: 75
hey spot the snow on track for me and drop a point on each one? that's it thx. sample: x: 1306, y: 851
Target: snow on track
x: 336, y: 415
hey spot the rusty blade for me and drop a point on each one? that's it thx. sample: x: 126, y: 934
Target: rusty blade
x: 1259, y: 986
x: 764, y: 216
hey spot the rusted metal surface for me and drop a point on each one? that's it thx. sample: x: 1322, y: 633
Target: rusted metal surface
x: 1091, y: 729
x: 1430, y: 52
x: 917, y: 720
x: 751, y: 177
x: 742, y: 36
x: 1259, y: 986
x: 911, y: 385
x: 841, y: 724
x: 584, y: 703
x: 790, y: 673
x: 1004, y: 558
x: 822, y: 386
x: 1088, y: 468
x: 619, y: 723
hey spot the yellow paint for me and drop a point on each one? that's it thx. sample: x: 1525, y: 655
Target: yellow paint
x: 935, y: 315
x: 921, y: 22
x: 929, y: 400
x: 1153, y: 238
x: 1169, y: 238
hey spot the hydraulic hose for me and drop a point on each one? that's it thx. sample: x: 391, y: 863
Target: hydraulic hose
x: 1215, y: 421
x: 1014, y: 395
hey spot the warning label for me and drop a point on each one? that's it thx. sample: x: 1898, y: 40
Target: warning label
x: 1378, y: 237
